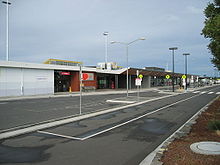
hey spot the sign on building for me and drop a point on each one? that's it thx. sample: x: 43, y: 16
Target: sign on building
x: 88, y: 76
x: 65, y: 73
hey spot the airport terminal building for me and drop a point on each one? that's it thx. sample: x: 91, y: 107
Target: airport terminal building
x: 18, y: 78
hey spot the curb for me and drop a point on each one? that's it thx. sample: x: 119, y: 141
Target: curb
x: 73, y: 94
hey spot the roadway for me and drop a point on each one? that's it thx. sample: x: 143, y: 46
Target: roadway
x: 25, y: 112
x: 121, y: 137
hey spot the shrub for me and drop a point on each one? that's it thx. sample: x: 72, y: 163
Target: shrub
x: 214, y: 125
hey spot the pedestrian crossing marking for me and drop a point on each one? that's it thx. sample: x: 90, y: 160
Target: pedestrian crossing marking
x: 209, y: 93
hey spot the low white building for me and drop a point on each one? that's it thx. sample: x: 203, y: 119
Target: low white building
x: 19, y: 78
x: 25, y: 79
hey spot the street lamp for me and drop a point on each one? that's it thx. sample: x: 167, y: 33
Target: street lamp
x: 173, y: 49
x: 127, y: 44
x: 7, y: 28
x: 186, y: 54
x: 106, y: 48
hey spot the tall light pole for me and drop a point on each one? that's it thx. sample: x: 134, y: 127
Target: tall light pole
x: 106, y: 48
x: 127, y: 45
x: 186, y: 54
x: 7, y: 28
x: 173, y: 49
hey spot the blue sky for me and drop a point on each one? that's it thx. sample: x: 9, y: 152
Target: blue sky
x: 73, y: 30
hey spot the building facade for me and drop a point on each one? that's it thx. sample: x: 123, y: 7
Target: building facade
x: 17, y: 78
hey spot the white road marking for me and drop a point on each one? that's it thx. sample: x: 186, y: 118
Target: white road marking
x: 210, y: 93
x: 218, y: 93
x: 203, y: 92
x: 196, y: 92
x: 129, y: 121
x: 120, y: 101
x: 59, y: 135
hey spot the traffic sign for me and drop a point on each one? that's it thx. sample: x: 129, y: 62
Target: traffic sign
x: 138, y: 81
x: 140, y: 76
x: 167, y: 76
x: 184, y: 76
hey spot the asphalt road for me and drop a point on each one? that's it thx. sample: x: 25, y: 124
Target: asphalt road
x: 18, y: 113
x: 123, y: 137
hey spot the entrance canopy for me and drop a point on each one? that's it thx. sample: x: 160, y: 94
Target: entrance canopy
x: 144, y: 72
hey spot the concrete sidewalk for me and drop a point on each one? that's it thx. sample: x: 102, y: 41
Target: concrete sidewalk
x: 71, y: 94
x: 96, y: 92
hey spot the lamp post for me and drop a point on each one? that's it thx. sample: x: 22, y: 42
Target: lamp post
x: 173, y: 49
x: 106, y: 48
x: 7, y: 28
x: 186, y: 54
x: 127, y: 45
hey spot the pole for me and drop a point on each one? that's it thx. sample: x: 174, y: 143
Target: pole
x: 127, y: 44
x: 7, y: 30
x: 106, y: 48
x: 80, y: 98
x: 186, y: 54
x: 186, y: 69
x: 138, y: 96
x: 137, y: 73
x: 173, y: 71
x: 127, y: 66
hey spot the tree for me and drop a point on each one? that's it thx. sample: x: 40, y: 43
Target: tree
x: 212, y: 30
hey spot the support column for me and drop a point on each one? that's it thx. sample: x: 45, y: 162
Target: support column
x: 116, y: 81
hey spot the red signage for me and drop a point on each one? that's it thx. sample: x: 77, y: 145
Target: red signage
x: 88, y: 76
x: 65, y: 73
x: 85, y: 76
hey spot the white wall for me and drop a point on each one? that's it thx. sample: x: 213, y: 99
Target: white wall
x: 20, y: 81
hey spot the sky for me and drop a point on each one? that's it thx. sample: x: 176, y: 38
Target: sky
x: 73, y: 30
